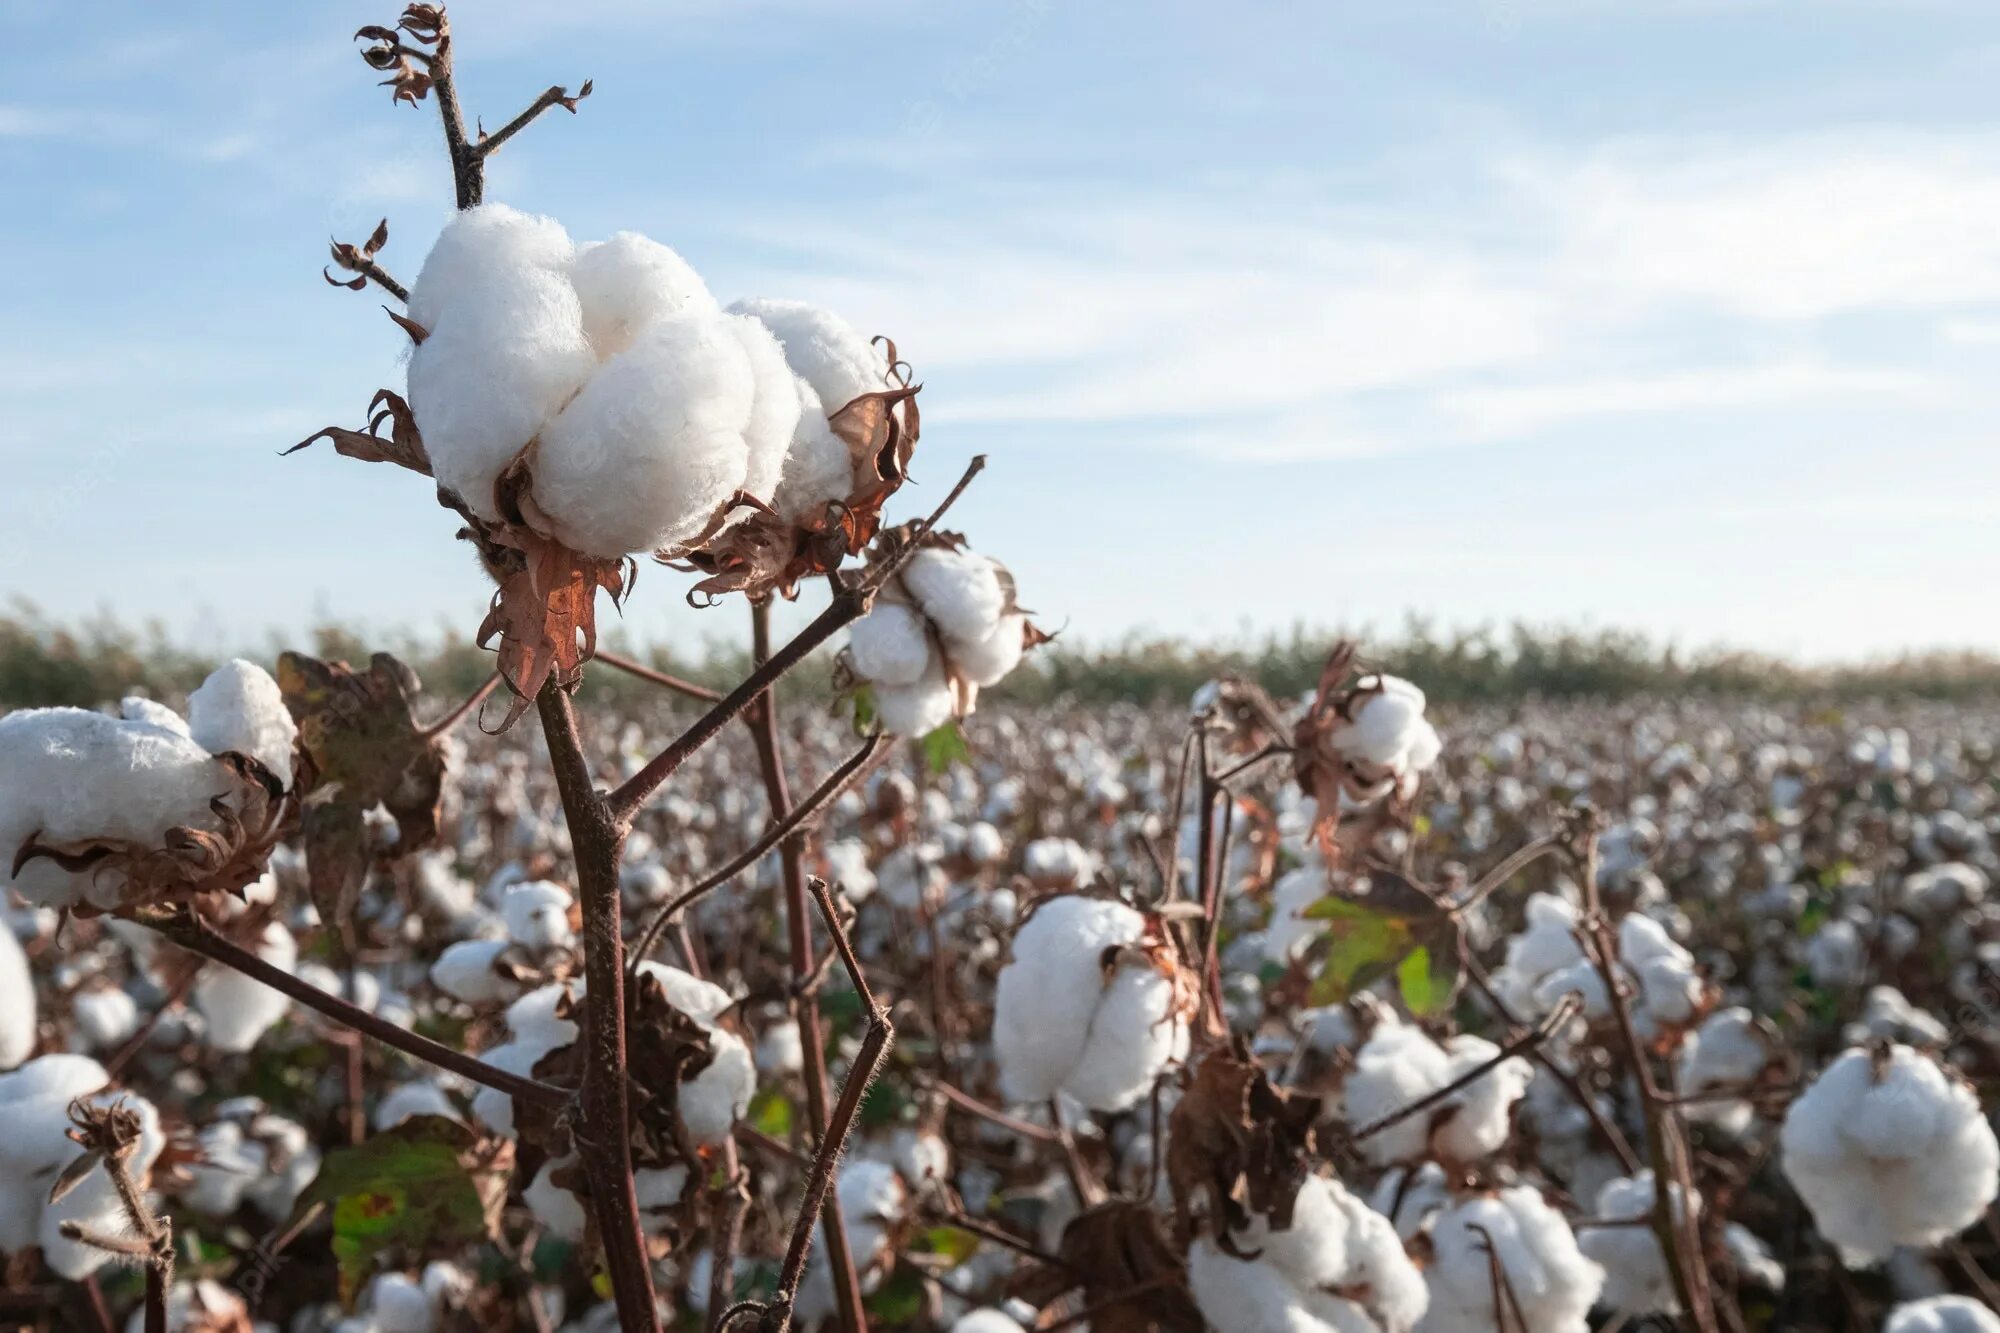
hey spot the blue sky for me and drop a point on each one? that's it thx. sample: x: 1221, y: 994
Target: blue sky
x: 1662, y: 314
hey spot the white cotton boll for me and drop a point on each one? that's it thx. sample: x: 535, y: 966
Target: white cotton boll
x: 658, y: 1189
x: 1899, y: 1155
x: 983, y: 844
x: 780, y: 1050
x: 715, y: 1099
x: 774, y: 411
x: 1061, y: 1025
x: 201, y: 1304
x: 465, y: 971
x: 558, y: 1210
x: 1290, y: 933
x: 396, y: 1304
x: 537, y: 914
x: 1389, y: 729
x: 1730, y: 1049
x: 1836, y: 956
x: 500, y: 364
x: 626, y: 283
x: 136, y: 708
x: 987, y: 1321
x: 1410, y: 1202
x: 915, y: 710
x: 847, y: 868
x: 1888, y: 1014
x: 1400, y: 1064
x: 414, y: 1099
x: 240, y: 708
x: 74, y: 777
x: 651, y: 448
x: 919, y: 1156
x: 989, y: 660
x: 232, y: 1162
x: 475, y: 247
x: 960, y: 591
x: 1636, y: 1277
x: 889, y: 645
x: 819, y: 467
x: 104, y: 1018
x: 1549, y: 1276
x: 702, y: 1001
x: 1942, y: 1314
x: 533, y: 1031
x: 17, y: 1002
x: 823, y: 349
x: 238, y: 1010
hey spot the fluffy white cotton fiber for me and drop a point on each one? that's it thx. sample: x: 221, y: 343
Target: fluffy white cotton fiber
x: 822, y: 349
x: 239, y: 707
x: 628, y: 282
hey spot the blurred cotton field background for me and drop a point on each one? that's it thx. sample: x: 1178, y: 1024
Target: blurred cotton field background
x: 807, y: 732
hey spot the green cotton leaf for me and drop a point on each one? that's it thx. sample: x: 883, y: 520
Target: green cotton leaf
x: 864, y: 709
x: 1396, y: 930
x: 899, y: 1301
x: 1367, y: 942
x: 771, y: 1113
x: 955, y: 1243
x: 404, y: 1190
x: 1428, y: 980
x: 944, y: 747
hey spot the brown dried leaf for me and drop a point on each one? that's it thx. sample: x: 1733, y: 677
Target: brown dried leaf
x: 1133, y: 1278
x: 545, y: 614
x: 1238, y: 1145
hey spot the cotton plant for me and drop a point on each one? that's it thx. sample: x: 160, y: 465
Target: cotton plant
x: 1622, y: 1242
x: 1510, y: 1245
x: 946, y: 626
x: 103, y: 813
x: 1887, y: 1148
x: 1339, y: 1267
x: 1362, y: 746
x: 1091, y: 1004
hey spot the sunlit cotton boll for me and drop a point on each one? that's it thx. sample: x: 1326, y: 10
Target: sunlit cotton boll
x: 1062, y: 1024
x: 1339, y: 1268
x: 240, y: 708
x: 987, y: 1321
x: 1942, y: 1314
x: 1552, y: 1281
x: 715, y: 1099
x: 959, y: 591
x: 17, y: 1002
x: 1400, y: 1064
x: 1889, y: 1151
x: 987, y: 661
x: 890, y: 645
x: 626, y: 283
x: 1636, y: 1278
x: 823, y: 349
x: 537, y: 914
x: 238, y: 1010
x: 916, y: 709
x: 76, y: 777
x: 1389, y: 729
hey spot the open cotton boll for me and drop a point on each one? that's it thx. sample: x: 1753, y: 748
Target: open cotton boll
x: 498, y: 366
x: 17, y: 1002
x: 1400, y: 1064
x: 988, y: 661
x: 819, y: 466
x: 534, y: 1029
x: 104, y: 1018
x: 1389, y: 729
x: 34, y: 1103
x: 1729, y: 1050
x: 135, y: 708
x: 1339, y: 1268
x: 465, y: 971
x: 1636, y: 1278
x: 1549, y: 1276
x: 75, y: 777
x: 1889, y: 1151
x: 1291, y: 933
x: 626, y: 283
x: 715, y: 1099
x: 238, y: 1010
x: 413, y: 1099
x: 1060, y: 1024
x: 537, y: 914
x: 558, y: 1209
x: 823, y: 349
x: 663, y: 435
x: 917, y: 709
x: 478, y: 246
x: 959, y: 591
x: 889, y: 645
x: 1942, y: 1314
x: 197, y: 1307
x: 240, y: 708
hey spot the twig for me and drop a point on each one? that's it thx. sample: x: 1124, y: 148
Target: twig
x: 556, y: 96
x: 196, y: 937
x: 596, y: 840
x: 468, y: 164
x: 1014, y: 1124
x: 1088, y: 1193
x: 1533, y: 1038
x: 457, y: 715
x: 632, y: 667
x: 1520, y: 860
x: 851, y: 600
x: 1001, y: 1236
x: 854, y: 767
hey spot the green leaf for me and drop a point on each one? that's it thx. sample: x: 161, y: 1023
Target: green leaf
x: 1395, y: 929
x: 900, y: 1300
x: 771, y: 1113
x: 1428, y: 980
x: 1367, y: 943
x: 864, y: 709
x: 944, y: 747
x: 403, y: 1190
x: 956, y: 1243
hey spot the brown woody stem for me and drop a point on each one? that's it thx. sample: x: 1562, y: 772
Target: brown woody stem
x: 555, y: 95
x: 635, y: 668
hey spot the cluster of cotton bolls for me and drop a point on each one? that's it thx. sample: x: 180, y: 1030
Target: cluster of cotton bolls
x: 78, y: 780
x: 947, y: 626
x: 640, y: 406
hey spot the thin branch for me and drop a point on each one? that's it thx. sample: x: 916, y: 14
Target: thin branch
x: 371, y: 271
x: 799, y: 817
x: 635, y: 668
x: 967, y: 1102
x: 468, y: 164
x: 1520, y: 860
x: 556, y: 96
x: 851, y: 600
x: 1553, y: 1023
x: 197, y: 937
x: 457, y: 715
x: 1088, y: 1193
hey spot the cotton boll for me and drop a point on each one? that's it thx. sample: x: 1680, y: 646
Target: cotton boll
x: 17, y: 1002
x: 1549, y: 1276
x: 414, y: 1099
x: 104, y: 1018
x: 1942, y: 1314
x: 76, y: 777
x: 1290, y: 933
x: 238, y: 1010
x: 626, y: 283
x: 889, y: 645
x: 1060, y: 1024
x: 537, y: 914
x: 466, y: 971
x: 819, y: 466
x: 780, y: 1050
x: 915, y: 710
x: 1636, y: 1278
x: 1400, y: 1064
x: 1889, y: 1152
x: 479, y: 244
x: 93, y: 1204
x: 822, y: 348
x: 774, y: 411
x: 558, y: 1210
x: 988, y: 661
x: 240, y: 708
x: 203, y: 1304
x: 987, y: 1321
x: 534, y: 1030
x: 1389, y: 729
x: 654, y: 444
x: 499, y: 365
x: 134, y: 708
x: 959, y: 591
x: 847, y: 868
x: 715, y: 1099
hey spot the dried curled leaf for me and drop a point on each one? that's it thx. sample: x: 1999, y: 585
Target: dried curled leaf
x: 1237, y: 1145
x: 362, y: 747
x: 403, y: 446
x: 544, y: 613
x: 1133, y: 1278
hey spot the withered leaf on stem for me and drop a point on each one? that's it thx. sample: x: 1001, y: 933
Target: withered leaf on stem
x: 403, y: 446
x: 545, y: 613
x: 1127, y: 1261
x: 1239, y: 1144
x: 361, y: 748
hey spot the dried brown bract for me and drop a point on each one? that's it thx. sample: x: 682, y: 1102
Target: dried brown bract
x: 1131, y: 1274
x: 1238, y: 1145
x: 408, y: 68
x: 403, y: 446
